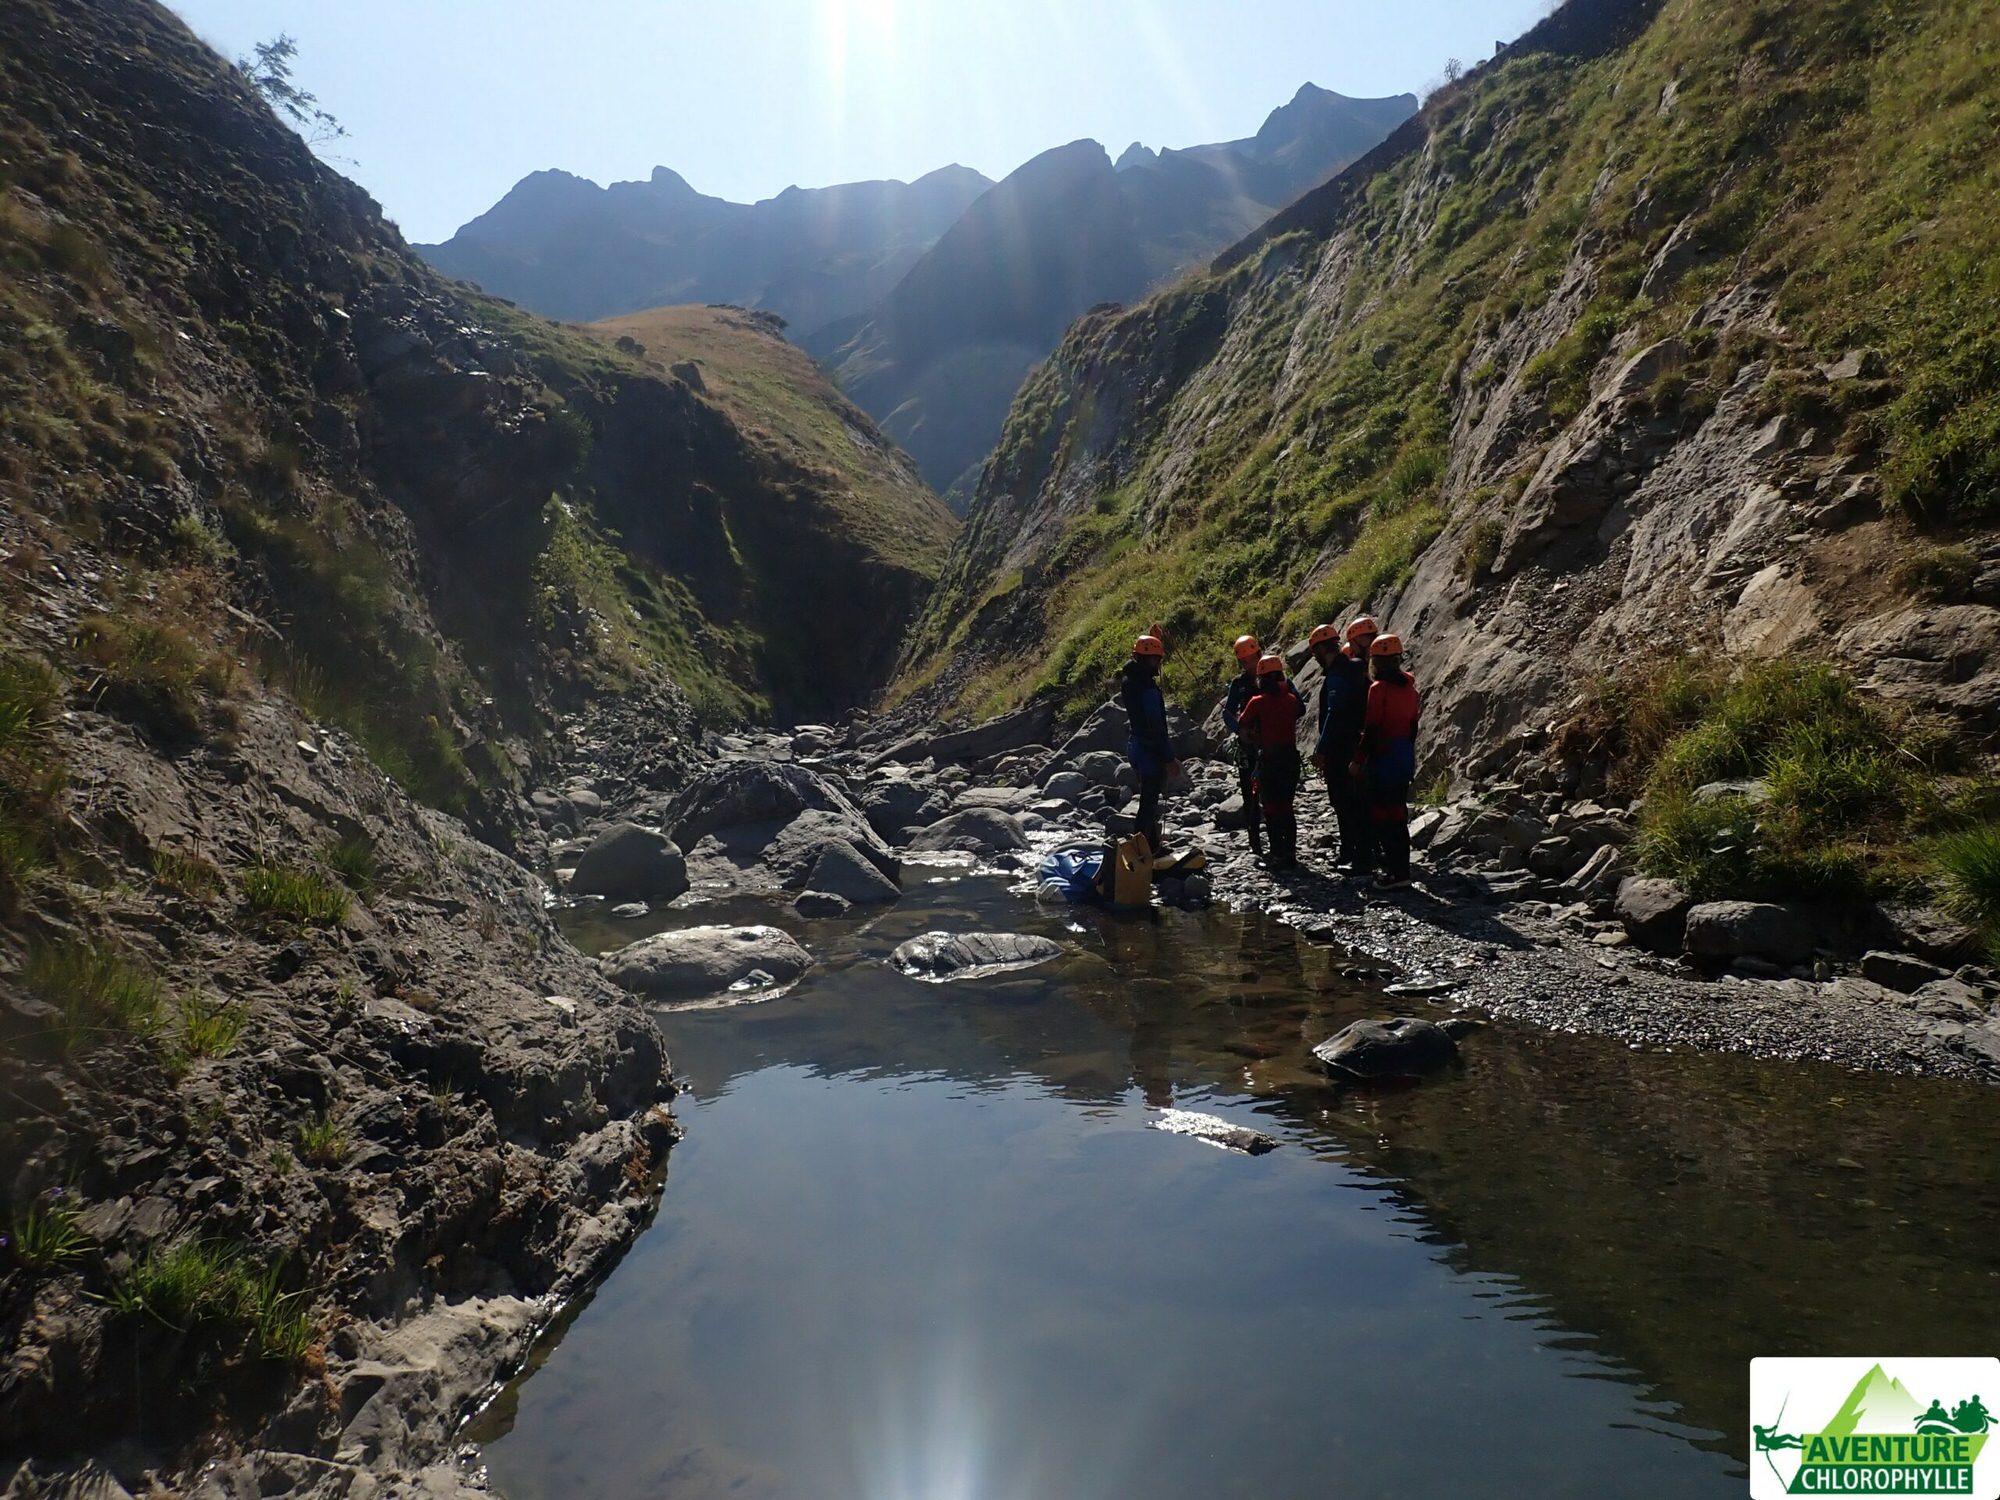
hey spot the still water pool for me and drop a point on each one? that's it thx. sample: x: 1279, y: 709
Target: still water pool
x: 921, y: 1243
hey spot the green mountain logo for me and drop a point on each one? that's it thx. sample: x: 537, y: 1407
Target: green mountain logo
x: 1882, y: 1441
x: 1877, y: 1403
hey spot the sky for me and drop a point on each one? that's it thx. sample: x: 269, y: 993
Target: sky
x: 448, y: 103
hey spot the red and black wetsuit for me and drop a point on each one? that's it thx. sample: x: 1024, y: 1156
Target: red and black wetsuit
x: 1270, y: 722
x: 1388, y: 756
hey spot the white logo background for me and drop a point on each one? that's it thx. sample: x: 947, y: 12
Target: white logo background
x: 1802, y: 1395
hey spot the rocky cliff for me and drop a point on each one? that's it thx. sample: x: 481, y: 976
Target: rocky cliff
x: 309, y: 1118
x: 1668, y: 330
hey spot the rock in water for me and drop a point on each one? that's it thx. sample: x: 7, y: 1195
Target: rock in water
x: 976, y: 830
x: 821, y: 904
x: 628, y: 861
x: 1215, y: 1131
x: 938, y: 956
x: 841, y: 870
x: 699, y: 962
x: 1390, y: 1049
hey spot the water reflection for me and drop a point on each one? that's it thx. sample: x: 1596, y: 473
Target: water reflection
x: 919, y: 1243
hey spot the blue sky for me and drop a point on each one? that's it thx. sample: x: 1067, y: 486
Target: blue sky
x: 449, y: 102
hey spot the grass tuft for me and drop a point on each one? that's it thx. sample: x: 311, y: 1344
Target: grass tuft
x: 151, y: 672
x: 187, y: 874
x: 192, y: 1283
x: 46, y: 1235
x: 292, y: 894
x: 98, y: 993
x: 324, y: 1141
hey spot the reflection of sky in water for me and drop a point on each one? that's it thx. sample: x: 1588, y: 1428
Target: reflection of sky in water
x: 920, y: 1245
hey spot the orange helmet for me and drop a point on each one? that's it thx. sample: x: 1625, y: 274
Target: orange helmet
x: 1321, y: 633
x: 1269, y: 663
x: 1149, y: 645
x: 1247, y: 647
x: 1386, y: 645
x: 1361, y: 625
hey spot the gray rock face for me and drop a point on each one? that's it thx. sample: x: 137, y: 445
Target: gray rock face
x: 701, y: 962
x: 898, y: 804
x: 1066, y: 786
x: 629, y: 861
x: 1008, y: 799
x: 1899, y: 971
x: 796, y: 849
x: 1387, y: 1049
x: 1751, y: 929
x: 751, y: 791
x: 842, y: 870
x: 976, y: 830
x: 1654, y: 913
x: 938, y: 956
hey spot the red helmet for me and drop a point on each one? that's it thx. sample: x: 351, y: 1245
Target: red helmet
x: 1270, y: 663
x: 1149, y: 645
x: 1247, y: 647
x: 1386, y: 645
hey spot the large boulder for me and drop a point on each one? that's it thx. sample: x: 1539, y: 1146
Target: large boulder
x: 796, y: 849
x: 842, y: 870
x: 983, y: 741
x: 1066, y: 786
x: 701, y: 962
x: 938, y: 956
x: 1109, y: 724
x: 1391, y: 1049
x: 895, y: 805
x: 751, y: 791
x: 1654, y: 913
x: 1012, y: 799
x: 1785, y: 934
x: 976, y: 830
x: 626, y: 861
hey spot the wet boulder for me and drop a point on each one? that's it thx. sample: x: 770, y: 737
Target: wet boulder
x: 975, y: 830
x: 842, y: 870
x: 1654, y: 913
x: 939, y: 956
x: 702, y: 962
x: 1395, y: 1048
x: 1066, y: 786
x: 1215, y: 1130
x: 1783, y: 934
x: 627, y: 861
x: 895, y: 805
x: 737, y: 792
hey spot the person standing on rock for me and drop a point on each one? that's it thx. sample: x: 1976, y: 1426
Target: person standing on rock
x: 1387, y: 757
x: 1242, y: 688
x: 1343, y: 704
x: 1271, y: 722
x: 1148, y: 745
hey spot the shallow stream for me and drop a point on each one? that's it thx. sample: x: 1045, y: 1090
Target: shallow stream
x: 921, y: 1243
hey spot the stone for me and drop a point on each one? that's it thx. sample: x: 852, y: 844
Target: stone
x: 808, y: 742
x: 939, y: 956
x: 629, y: 861
x: 737, y: 792
x: 1102, y: 768
x: 982, y: 741
x: 842, y: 870
x: 1559, y: 856
x: 1923, y: 930
x: 1784, y: 934
x: 1387, y: 1049
x: 1005, y: 798
x: 820, y: 904
x: 1231, y: 814
x: 1899, y: 971
x: 631, y: 911
x: 1950, y: 997
x: 899, y: 804
x: 701, y: 962
x: 1066, y: 785
x: 1215, y: 1131
x: 1424, y: 825
x: 1654, y: 913
x: 1753, y: 791
x: 976, y: 830
x: 790, y: 854
x: 1599, y: 877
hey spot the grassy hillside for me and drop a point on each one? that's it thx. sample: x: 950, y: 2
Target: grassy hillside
x: 769, y: 389
x: 1672, y: 327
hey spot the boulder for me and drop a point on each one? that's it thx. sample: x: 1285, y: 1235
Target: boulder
x: 842, y: 870
x: 1391, y: 1049
x: 976, y: 830
x: 1012, y: 799
x: 1108, y: 727
x: 1899, y: 971
x: 938, y: 956
x: 899, y: 804
x: 1654, y: 913
x: 1104, y: 768
x: 699, y: 962
x: 796, y: 849
x: 751, y: 791
x: 1231, y: 814
x: 1785, y: 934
x: 629, y: 861
x: 1559, y: 856
x: 1600, y: 876
x: 1923, y: 930
x: 1066, y: 785
x: 1015, y: 731
x: 820, y: 904
x: 1215, y: 1131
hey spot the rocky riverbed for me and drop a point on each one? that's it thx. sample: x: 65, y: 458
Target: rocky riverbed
x: 1526, y: 903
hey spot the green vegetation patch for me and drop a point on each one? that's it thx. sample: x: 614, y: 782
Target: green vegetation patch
x: 98, y: 993
x: 153, y: 672
x: 197, y: 1284
x: 294, y: 894
x: 31, y: 775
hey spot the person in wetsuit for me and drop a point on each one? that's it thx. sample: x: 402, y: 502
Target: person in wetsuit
x: 1343, y: 703
x: 1148, y: 745
x: 1242, y: 688
x: 1387, y: 757
x: 1271, y: 722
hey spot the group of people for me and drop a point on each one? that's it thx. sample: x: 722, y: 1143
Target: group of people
x: 1364, y: 744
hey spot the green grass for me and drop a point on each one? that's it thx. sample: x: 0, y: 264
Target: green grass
x: 187, y: 874
x: 31, y: 777
x: 293, y: 894
x: 207, y: 1028
x: 196, y: 1283
x: 151, y: 671
x: 46, y: 1236
x: 98, y: 993
x: 324, y: 1141
x: 355, y: 861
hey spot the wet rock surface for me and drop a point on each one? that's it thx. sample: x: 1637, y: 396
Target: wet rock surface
x: 1394, y: 1048
x: 701, y: 963
x: 968, y: 955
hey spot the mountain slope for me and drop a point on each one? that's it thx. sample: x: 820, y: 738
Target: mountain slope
x: 1670, y: 326
x: 567, y: 248
x: 942, y: 356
